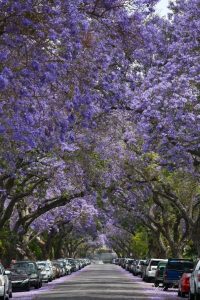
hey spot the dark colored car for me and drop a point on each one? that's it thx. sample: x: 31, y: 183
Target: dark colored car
x: 20, y: 279
x: 160, y: 273
x: 175, y: 268
x: 32, y: 271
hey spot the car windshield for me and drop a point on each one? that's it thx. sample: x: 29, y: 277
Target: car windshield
x: 18, y: 271
x: 27, y: 267
x: 180, y: 265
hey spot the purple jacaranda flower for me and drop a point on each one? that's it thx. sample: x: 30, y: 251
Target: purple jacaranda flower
x: 3, y: 82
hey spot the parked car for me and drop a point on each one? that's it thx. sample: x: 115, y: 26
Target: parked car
x: 20, y: 279
x: 5, y: 284
x: 73, y: 264
x: 194, y: 292
x: 46, y: 270
x: 128, y: 264
x: 160, y: 272
x: 150, y: 271
x: 32, y: 270
x: 184, y: 284
x: 57, y: 270
x: 62, y: 268
x: 174, y: 269
x: 137, y: 267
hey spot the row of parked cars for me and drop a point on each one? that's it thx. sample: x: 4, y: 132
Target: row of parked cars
x: 182, y: 274
x: 22, y: 275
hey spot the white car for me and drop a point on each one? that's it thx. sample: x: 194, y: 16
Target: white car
x: 5, y: 285
x: 195, y: 283
x: 151, y: 268
x: 46, y: 270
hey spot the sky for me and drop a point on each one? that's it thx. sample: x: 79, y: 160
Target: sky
x: 162, y: 7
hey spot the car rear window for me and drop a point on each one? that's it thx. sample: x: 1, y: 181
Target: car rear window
x: 180, y: 265
x: 161, y: 265
x: 154, y: 262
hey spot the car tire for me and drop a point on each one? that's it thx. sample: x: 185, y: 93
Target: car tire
x: 191, y: 296
x: 37, y: 286
x: 196, y: 296
x: 165, y: 288
x: 182, y: 295
x: 28, y: 287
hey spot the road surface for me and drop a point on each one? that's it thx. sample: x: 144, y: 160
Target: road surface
x: 99, y: 282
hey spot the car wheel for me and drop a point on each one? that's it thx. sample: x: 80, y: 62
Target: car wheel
x: 28, y: 287
x: 182, y: 294
x: 191, y: 296
x: 196, y: 296
x: 37, y: 286
x: 165, y: 288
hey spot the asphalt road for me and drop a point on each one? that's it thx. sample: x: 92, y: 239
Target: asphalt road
x: 99, y: 282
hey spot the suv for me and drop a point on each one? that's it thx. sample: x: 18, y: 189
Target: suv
x: 194, y: 292
x: 174, y: 269
x: 5, y: 284
x: 151, y: 268
x: 32, y: 270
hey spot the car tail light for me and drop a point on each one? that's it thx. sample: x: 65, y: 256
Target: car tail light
x: 186, y: 280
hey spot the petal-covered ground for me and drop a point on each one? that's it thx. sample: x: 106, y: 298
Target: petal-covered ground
x: 99, y: 282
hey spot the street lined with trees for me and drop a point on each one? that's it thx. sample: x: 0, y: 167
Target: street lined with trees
x: 99, y: 129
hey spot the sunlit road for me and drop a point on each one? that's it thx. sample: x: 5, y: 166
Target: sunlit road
x: 101, y: 282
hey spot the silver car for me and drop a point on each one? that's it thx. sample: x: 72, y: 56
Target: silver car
x: 5, y: 284
x: 45, y: 270
x: 194, y: 292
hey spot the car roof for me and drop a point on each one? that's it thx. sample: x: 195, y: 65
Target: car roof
x: 180, y: 260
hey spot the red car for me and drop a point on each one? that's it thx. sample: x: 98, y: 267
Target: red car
x: 184, y: 285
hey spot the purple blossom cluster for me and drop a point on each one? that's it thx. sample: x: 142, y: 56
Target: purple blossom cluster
x: 98, y: 99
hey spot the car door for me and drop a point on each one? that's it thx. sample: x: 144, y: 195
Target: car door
x: 192, y: 278
x: 196, y: 275
x: 6, y: 279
